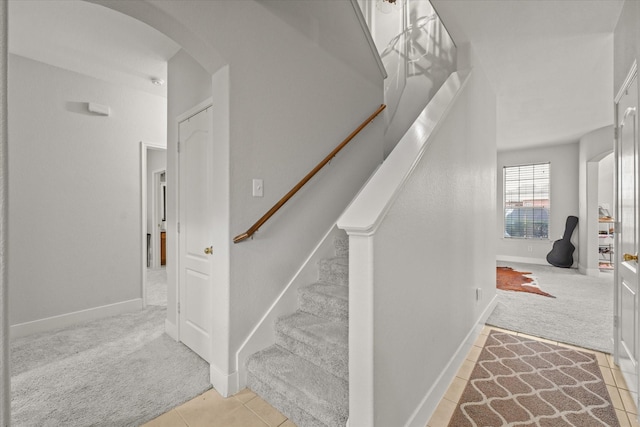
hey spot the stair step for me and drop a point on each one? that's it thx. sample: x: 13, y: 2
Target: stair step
x: 334, y: 271
x: 325, y: 300
x: 297, y: 415
x: 342, y: 246
x: 302, y: 391
x: 323, y: 342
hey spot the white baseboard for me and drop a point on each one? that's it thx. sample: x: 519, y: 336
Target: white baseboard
x: 593, y: 272
x: 171, y: 329
x: 225, y: 384
x: 68, y: 319
x: 435, y: 394
x: 524, y: 260
x: 262, y: 335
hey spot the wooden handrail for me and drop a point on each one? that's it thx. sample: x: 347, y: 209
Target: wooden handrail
x: 294, y: 190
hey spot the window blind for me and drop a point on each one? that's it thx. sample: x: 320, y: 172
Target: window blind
x: 527, y: 201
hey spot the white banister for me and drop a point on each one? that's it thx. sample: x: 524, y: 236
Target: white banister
x: 414, y: 307
x: 360, y: 221
x: 369, y: 207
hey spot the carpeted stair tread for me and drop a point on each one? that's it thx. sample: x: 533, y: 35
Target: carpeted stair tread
x: 325, y: 300
x: 305, y: 374
x: 334, y: 271
x: 342, y: 246
x: 303, y: 385
x: 307, y: 327
x: 333, y: 291
x: 324, y: 342
x: 295, y: 414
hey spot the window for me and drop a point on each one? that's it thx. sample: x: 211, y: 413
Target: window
x: 526, y: 201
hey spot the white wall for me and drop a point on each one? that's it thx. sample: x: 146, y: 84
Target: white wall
x: 451, y: 197
x: 75, y: 190
x: 418, y: 55
x: 450, y: 200
x: 626, y: 43
x: 564, y: 201
x: 318, y: 101
x: 293, y: 95
x: 418, y: 255
x: 605, y: 183
x: 594, y: 146
x: 188, y: 84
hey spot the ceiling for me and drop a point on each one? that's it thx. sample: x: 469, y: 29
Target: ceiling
x: 92, y: 40
x: 550, y: 63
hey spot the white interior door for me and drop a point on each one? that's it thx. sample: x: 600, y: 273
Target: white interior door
x: 628, y: 237
x: 195, y: 230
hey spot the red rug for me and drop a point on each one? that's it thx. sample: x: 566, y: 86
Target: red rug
x: 509, y: 279
x: 523, y: 382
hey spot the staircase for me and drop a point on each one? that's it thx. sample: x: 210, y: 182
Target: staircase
x: 305, y: 375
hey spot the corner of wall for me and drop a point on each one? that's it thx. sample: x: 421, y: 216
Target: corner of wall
x: 225, y: 384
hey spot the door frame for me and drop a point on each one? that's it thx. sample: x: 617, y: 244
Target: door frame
x: 144, y: 151
x: 155, y: 205
x: 207, y: 103
x: 631, y: 76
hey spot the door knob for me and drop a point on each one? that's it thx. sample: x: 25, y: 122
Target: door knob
x: 209, y: 250
x: 629, y: 257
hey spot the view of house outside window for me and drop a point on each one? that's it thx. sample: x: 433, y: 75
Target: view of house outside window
x: 526, y: 201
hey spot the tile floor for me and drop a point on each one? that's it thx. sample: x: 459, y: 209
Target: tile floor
x: 210, y: 409
x: 245, y: 409
x: 620, y: 395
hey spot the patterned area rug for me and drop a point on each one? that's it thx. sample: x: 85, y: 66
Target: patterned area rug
x: 520, y: 382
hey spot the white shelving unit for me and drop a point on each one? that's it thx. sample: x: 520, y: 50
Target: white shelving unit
x: 605, y: 243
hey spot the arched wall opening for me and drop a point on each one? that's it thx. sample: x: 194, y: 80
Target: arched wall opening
x: 212, y: 67
x: 295, y: 96
x: 209, y: 60
x: 594, y: 147
x: 594, y: 183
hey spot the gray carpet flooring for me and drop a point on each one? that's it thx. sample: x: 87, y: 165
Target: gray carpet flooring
x: 581, y: 314
x: 157, y: 286
x: 119, y: 371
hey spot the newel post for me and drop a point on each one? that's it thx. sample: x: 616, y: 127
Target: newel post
x: 361, y: 329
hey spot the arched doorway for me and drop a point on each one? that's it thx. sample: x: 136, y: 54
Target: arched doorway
x: 74, y: 108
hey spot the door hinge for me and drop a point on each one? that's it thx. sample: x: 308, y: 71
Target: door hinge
x: 178, y: 146
x: 615, y: 133
x: 178, y: 308
x: 178, y: 225
x: 615, y: 321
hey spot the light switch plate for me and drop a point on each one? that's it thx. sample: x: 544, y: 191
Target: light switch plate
x: 258, y: 189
